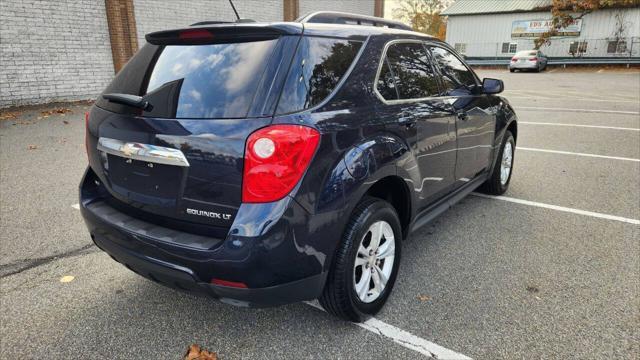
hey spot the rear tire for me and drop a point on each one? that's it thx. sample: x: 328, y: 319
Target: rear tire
x: 497, y: 183
x: 354, y: 289
x: 512, y: 70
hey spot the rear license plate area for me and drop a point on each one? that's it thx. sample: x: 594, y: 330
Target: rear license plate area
x: 129, y: 176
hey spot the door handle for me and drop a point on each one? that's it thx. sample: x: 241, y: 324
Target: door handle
x: 463, y: 116
x: 143, y: 152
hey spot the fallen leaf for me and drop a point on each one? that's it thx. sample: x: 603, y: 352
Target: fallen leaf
x: 32, y: 147
x: 65, y: 122
x: 54, y: 111
x: 424, y: 297
x: 196, y: 353
x: 66, y: 279
x: 9, y: 115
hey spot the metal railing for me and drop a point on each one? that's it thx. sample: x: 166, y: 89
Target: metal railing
x: 563, y: 51
x: 563, y: 62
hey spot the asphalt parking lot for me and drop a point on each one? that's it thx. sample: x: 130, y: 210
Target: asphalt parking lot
x: 549, y: 270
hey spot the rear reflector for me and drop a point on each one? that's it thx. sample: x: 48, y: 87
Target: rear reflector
x: 86, y: 133
x: 228, y: 283
x: 275, y: 159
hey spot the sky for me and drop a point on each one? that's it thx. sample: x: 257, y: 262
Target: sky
x: 389, y: 5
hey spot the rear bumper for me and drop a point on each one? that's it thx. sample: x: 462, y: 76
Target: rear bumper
x: 184, y: 279
x: 276, y: 265
x: 526, y: 65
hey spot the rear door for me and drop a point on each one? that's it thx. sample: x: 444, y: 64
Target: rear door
x: 409, y: 86
x: 475, y: 116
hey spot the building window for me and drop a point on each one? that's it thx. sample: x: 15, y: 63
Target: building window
x: 509, y: 48
x: 461, y: 48
x: 578, y: 47
x: 617, y: 47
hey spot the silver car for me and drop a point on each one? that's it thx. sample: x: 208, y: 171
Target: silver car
x: 528, y: 60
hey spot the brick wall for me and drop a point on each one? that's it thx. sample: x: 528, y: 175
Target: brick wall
x: 61, y: 50
x: 154, y: 15
x: 54, y: 50
x: 353, y: 6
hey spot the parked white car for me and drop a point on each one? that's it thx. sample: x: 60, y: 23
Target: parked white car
x: 528, y: 60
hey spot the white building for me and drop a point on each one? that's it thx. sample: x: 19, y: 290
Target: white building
x: 498, y: 28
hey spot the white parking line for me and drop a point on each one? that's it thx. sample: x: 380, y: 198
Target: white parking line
x: 404, y: 338
x: 577, y: 94
x: 561, y: 208
x: 76, y: 206
x: 578, y: 110
x: 578, y: 125
x: 571, y: 99
x: 578, y: 154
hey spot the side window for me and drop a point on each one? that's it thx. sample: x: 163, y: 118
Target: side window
x: 457, y: 78
x: 317, y: 68
x: 409, y: 65
x: 387, y: 82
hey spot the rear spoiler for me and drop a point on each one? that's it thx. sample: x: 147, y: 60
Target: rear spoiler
x: 223, y: 33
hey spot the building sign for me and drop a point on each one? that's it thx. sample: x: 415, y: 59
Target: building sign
x: 533, y: 28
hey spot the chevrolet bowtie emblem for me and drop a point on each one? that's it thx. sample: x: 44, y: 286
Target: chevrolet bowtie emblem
x: 128, y: 149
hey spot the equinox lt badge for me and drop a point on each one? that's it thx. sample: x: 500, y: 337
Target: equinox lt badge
x: 210, y: 214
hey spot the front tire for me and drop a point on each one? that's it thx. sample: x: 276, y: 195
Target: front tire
x: 366, y: 262
x: 498, y: 182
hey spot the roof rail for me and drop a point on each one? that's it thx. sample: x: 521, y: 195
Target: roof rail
x: 334, y: 17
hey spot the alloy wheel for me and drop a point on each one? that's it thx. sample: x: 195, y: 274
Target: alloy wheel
x: 506, y: 163
x: 374, y: 261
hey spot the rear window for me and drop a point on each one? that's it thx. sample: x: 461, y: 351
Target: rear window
x: 195, y: 81
x: 527, y: 53
x: 316, y: 70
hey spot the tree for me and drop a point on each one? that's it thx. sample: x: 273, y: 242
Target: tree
x: 565, y: 12
x: 423, y: 15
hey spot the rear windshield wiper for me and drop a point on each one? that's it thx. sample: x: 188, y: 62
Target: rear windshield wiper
x: 129, y: 100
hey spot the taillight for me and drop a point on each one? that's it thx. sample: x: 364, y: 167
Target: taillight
x: 533, y: 59
x: 275, y: 159
x: 514, y: 59
x: 86, y: 133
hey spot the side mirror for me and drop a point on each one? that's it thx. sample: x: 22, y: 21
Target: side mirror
x: 492, y: 86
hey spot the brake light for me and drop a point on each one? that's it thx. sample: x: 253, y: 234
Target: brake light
x: 533, y: 59
x: 195, y: 34
x: 86, y: 133
x: 514, y: 59
x: 275, y: 159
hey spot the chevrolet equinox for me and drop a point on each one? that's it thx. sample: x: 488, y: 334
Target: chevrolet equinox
x: 269, y: 163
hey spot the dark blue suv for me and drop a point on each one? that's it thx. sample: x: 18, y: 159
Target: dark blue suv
x: 269, y: 163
